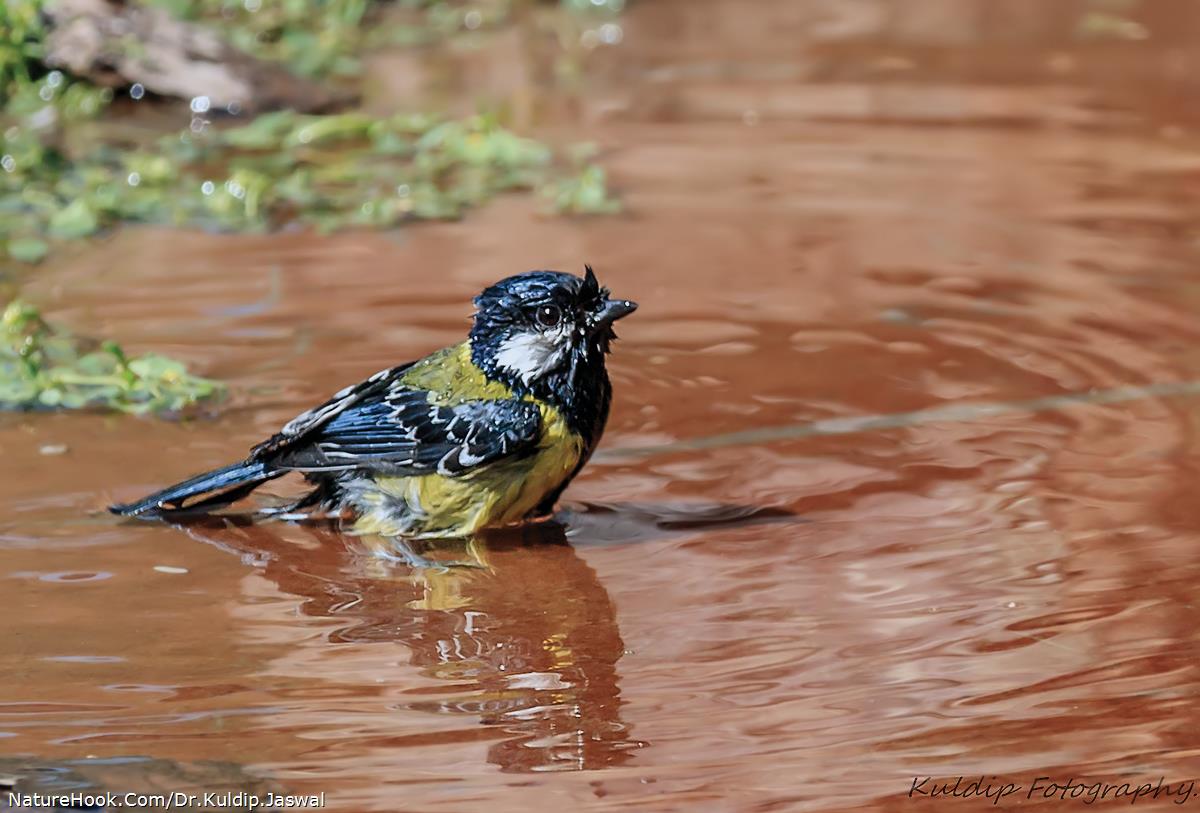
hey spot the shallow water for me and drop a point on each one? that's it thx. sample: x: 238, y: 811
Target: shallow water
x: 837, y: 213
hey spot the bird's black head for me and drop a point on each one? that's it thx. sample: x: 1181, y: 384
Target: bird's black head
x: 546, y: 333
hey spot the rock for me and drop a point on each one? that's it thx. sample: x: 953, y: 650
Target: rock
x: 116, y: 43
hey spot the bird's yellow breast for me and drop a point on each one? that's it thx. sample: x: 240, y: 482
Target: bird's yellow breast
x: 497, y: 494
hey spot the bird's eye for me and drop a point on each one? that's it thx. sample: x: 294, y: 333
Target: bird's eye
x: 548, y: 316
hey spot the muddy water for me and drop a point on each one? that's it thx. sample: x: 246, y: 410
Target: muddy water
x: 952, y: 215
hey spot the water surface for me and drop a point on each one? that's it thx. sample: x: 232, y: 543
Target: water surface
x: 836, y: 211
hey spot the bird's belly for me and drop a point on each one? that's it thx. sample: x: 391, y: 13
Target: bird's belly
x: 433, y: 505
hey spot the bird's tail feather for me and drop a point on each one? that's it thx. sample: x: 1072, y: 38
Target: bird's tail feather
x: 230, y: 484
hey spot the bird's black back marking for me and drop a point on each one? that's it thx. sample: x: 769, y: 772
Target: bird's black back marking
x: 384, y: 425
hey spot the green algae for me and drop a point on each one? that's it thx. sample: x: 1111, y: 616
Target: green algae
x: 330, y: 172
x: 43, y: 367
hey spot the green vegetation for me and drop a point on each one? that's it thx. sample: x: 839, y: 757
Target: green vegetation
x: 313, y: 37
x: 335, y: 171
x: 585, y: 192
x: 323, y: 37
x: 44, y: 368
x: 331, y: 171
x: 21, y: 35
x: 26, y: 87
x: 594, y: 6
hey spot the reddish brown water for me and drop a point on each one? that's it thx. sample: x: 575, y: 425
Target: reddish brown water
x: 837, y: 209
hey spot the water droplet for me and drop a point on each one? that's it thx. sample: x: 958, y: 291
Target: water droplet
x: 611, y: 33
x: 208, y: 187
x: 201, y: 104
x: 236, y: 189
x: 45, y: 93
x: 8, y: 163
x: 134, y: 179
x: 233, y: 108
x: 368, y: 208
x: 137, y: 91
x: 198, y: 124
x: 54, y: 79
x: 402, y: 190
x: 472, y: 20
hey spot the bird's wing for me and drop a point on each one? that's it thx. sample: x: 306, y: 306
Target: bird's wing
x: 389, y: 425
x: 298, y: 428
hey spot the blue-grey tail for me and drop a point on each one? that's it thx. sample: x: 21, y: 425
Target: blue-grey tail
x: 224, y: 485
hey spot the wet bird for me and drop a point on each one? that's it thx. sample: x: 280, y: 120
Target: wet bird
x: 483, y: 433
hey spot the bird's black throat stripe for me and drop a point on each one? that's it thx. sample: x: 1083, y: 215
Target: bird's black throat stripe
x: 581, y: 390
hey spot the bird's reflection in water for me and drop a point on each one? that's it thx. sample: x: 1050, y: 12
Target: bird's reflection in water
x: 518, y: 627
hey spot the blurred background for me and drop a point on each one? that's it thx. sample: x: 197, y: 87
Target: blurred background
x: 900, y: 474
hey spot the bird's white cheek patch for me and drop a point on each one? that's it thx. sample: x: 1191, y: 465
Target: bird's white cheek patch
x: 532, y: 355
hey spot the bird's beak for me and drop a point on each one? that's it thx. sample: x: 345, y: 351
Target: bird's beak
x: 611, y: 311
